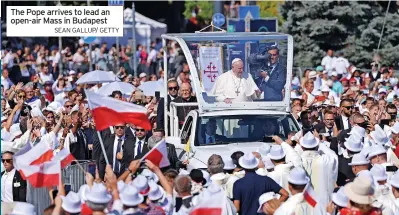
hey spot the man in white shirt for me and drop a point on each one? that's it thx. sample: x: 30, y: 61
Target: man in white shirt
x: 5, y: 80
x: 328, y: 61
x: 13, y: 188
x: 8, y: 59
x: 341, y: 64
x: 234, y: 86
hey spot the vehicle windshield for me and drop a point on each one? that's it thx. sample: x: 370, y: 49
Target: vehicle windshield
x: 243, y: 128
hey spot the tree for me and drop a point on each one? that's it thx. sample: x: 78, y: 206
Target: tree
x: 349, y: 26
x: 206, y: 10
x: 270, y: 9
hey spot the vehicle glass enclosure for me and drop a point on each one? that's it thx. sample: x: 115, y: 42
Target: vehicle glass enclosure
x: 209, y: 55
x: 243, y: 128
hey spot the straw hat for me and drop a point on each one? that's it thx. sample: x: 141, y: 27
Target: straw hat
x: 360, y: 190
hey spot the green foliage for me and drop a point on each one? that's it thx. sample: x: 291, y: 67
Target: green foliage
x: 270, y: 9
x: 349, y: 26
x: 205, y: 13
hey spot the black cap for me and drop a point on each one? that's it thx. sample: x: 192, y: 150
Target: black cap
x: 25, y: 110
x: 197, y: 176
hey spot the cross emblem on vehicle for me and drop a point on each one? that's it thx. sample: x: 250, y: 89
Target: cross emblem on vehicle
x: 211, y: 72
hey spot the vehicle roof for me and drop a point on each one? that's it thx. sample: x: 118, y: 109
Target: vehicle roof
x: 243, y: 112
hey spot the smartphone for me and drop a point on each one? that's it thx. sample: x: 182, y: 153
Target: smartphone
x: 67, y: 188
x: 157, y: 95
x: 385, y: 122
x: 338, y: 123
x: 268, y: 140
x: 92, y: 169
x: 364, y: 125
x: 391, y: 168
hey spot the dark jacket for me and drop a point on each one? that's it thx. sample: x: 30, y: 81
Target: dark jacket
x: 161, y: 113
x: 273, y: 87
x: 175, y: 163
x: 345, y: 173
x: 18, y: 193
x: 128, y: 151
x: 79, y: 149
x: 182, y: 112
x: 109, y: 142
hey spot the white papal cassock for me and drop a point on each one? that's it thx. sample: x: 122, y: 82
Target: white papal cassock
x: 228, y: 85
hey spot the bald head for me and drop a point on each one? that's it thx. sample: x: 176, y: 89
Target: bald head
x: 185, y: 90
x: 237, y: 67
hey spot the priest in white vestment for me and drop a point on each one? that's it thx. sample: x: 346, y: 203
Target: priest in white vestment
x: 234, y: 86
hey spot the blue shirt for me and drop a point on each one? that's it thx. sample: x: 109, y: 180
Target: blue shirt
x: 337, y: 87
x: 248, y: 190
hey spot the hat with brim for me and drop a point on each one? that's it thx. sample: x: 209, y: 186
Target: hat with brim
x: 248, y: 161
x: 379, y: 173
x: 358, y: 159
x: 276, y: 153
x: 379, y: 136
x: 23, y: 208
x: 98, y: 194
x: 309, y: 141
x: 395, y: 180
x: 228, y: 163
x: 353, y: 143
x: 360, y: 190
x: 312, y: 74
x: 339, y: 198
x: 197, y: 176
x: 141, y: 183
x: 265, y: 198
x: 156, y: 192
x: 298, y: 176
x: 376, y: 150
x: 71, y: 203
x: 131, y: 197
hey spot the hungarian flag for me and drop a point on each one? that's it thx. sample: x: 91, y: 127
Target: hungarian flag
x: 310, y: 195
x: 44, y: 175
x: 65, y: 157
x: 158, y: 155
x: 108, y: 112
x: 210, y: 206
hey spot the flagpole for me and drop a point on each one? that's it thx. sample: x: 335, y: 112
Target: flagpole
x: 98, y: 134
x: 153, y: 148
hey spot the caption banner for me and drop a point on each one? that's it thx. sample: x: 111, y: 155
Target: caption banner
x: 65, y: 21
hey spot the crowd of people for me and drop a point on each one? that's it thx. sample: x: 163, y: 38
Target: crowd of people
x: 343, y: 160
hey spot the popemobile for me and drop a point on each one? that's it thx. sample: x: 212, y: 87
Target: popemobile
x: 242, y: 85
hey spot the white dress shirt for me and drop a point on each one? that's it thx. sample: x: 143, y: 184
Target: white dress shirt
x: 6, y: 186
x: 345, y: 122
x: 115, y: 148
x: 136, y: 152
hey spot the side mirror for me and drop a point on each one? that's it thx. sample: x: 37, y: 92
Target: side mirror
x: 176, y: 141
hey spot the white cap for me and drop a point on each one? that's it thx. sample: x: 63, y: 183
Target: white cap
x: 235, y: 60
x: 150, y: 175
x: 379, y: 135
x: 353, y: 143
x: 71, y: 203
x: 248, y: 161
x: 382, y: 90
x: 121, y: 185
x: 309, y: 141
x: 312, y: 74
x: 298, y: 176
x: 130, y: 196
x: 142, y: 75
x: 334, y: 74
x: 276, y: 153
x: 72, y: 72
x: 98, y: 194
x: 156, y: 192
x: 325, y: 88
x: 358, y: 159
x: 395, y: 128
x: 395, y: 180
x: 264, y: 149
x: 357, y: 130
x: 15, y: 131
x: 376, y: 150
x: 265, y: 198
x: 379, y: 173
x: 339, y: 198
x: 23, y: 208
x: 141, y: 183
x: 267, y: 162
x: 228, y: 163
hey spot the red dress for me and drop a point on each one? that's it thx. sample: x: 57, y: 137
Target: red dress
x: 348, y: 211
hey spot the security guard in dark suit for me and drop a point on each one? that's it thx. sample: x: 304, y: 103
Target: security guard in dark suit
x: 15, y: 188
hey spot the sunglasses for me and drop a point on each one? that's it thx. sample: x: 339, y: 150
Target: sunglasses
x: 68, y: 106
x: 119, y: 127
x: 21, y: 96
x: 140, y: 130
x: 173, y: 88
x: 6, y: 160
x: 349, y: 107
x: 353, y: 82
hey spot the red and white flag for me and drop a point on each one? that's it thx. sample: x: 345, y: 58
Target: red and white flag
x: 65, y: 157
x: 29, y: 156
x: 310, y: 195
x: 44, y: 175
x: 108, y: 111
x: 210, y: 206
x: 158, y: 155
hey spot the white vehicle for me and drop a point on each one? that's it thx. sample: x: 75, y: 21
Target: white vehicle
x: 239, y: 126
